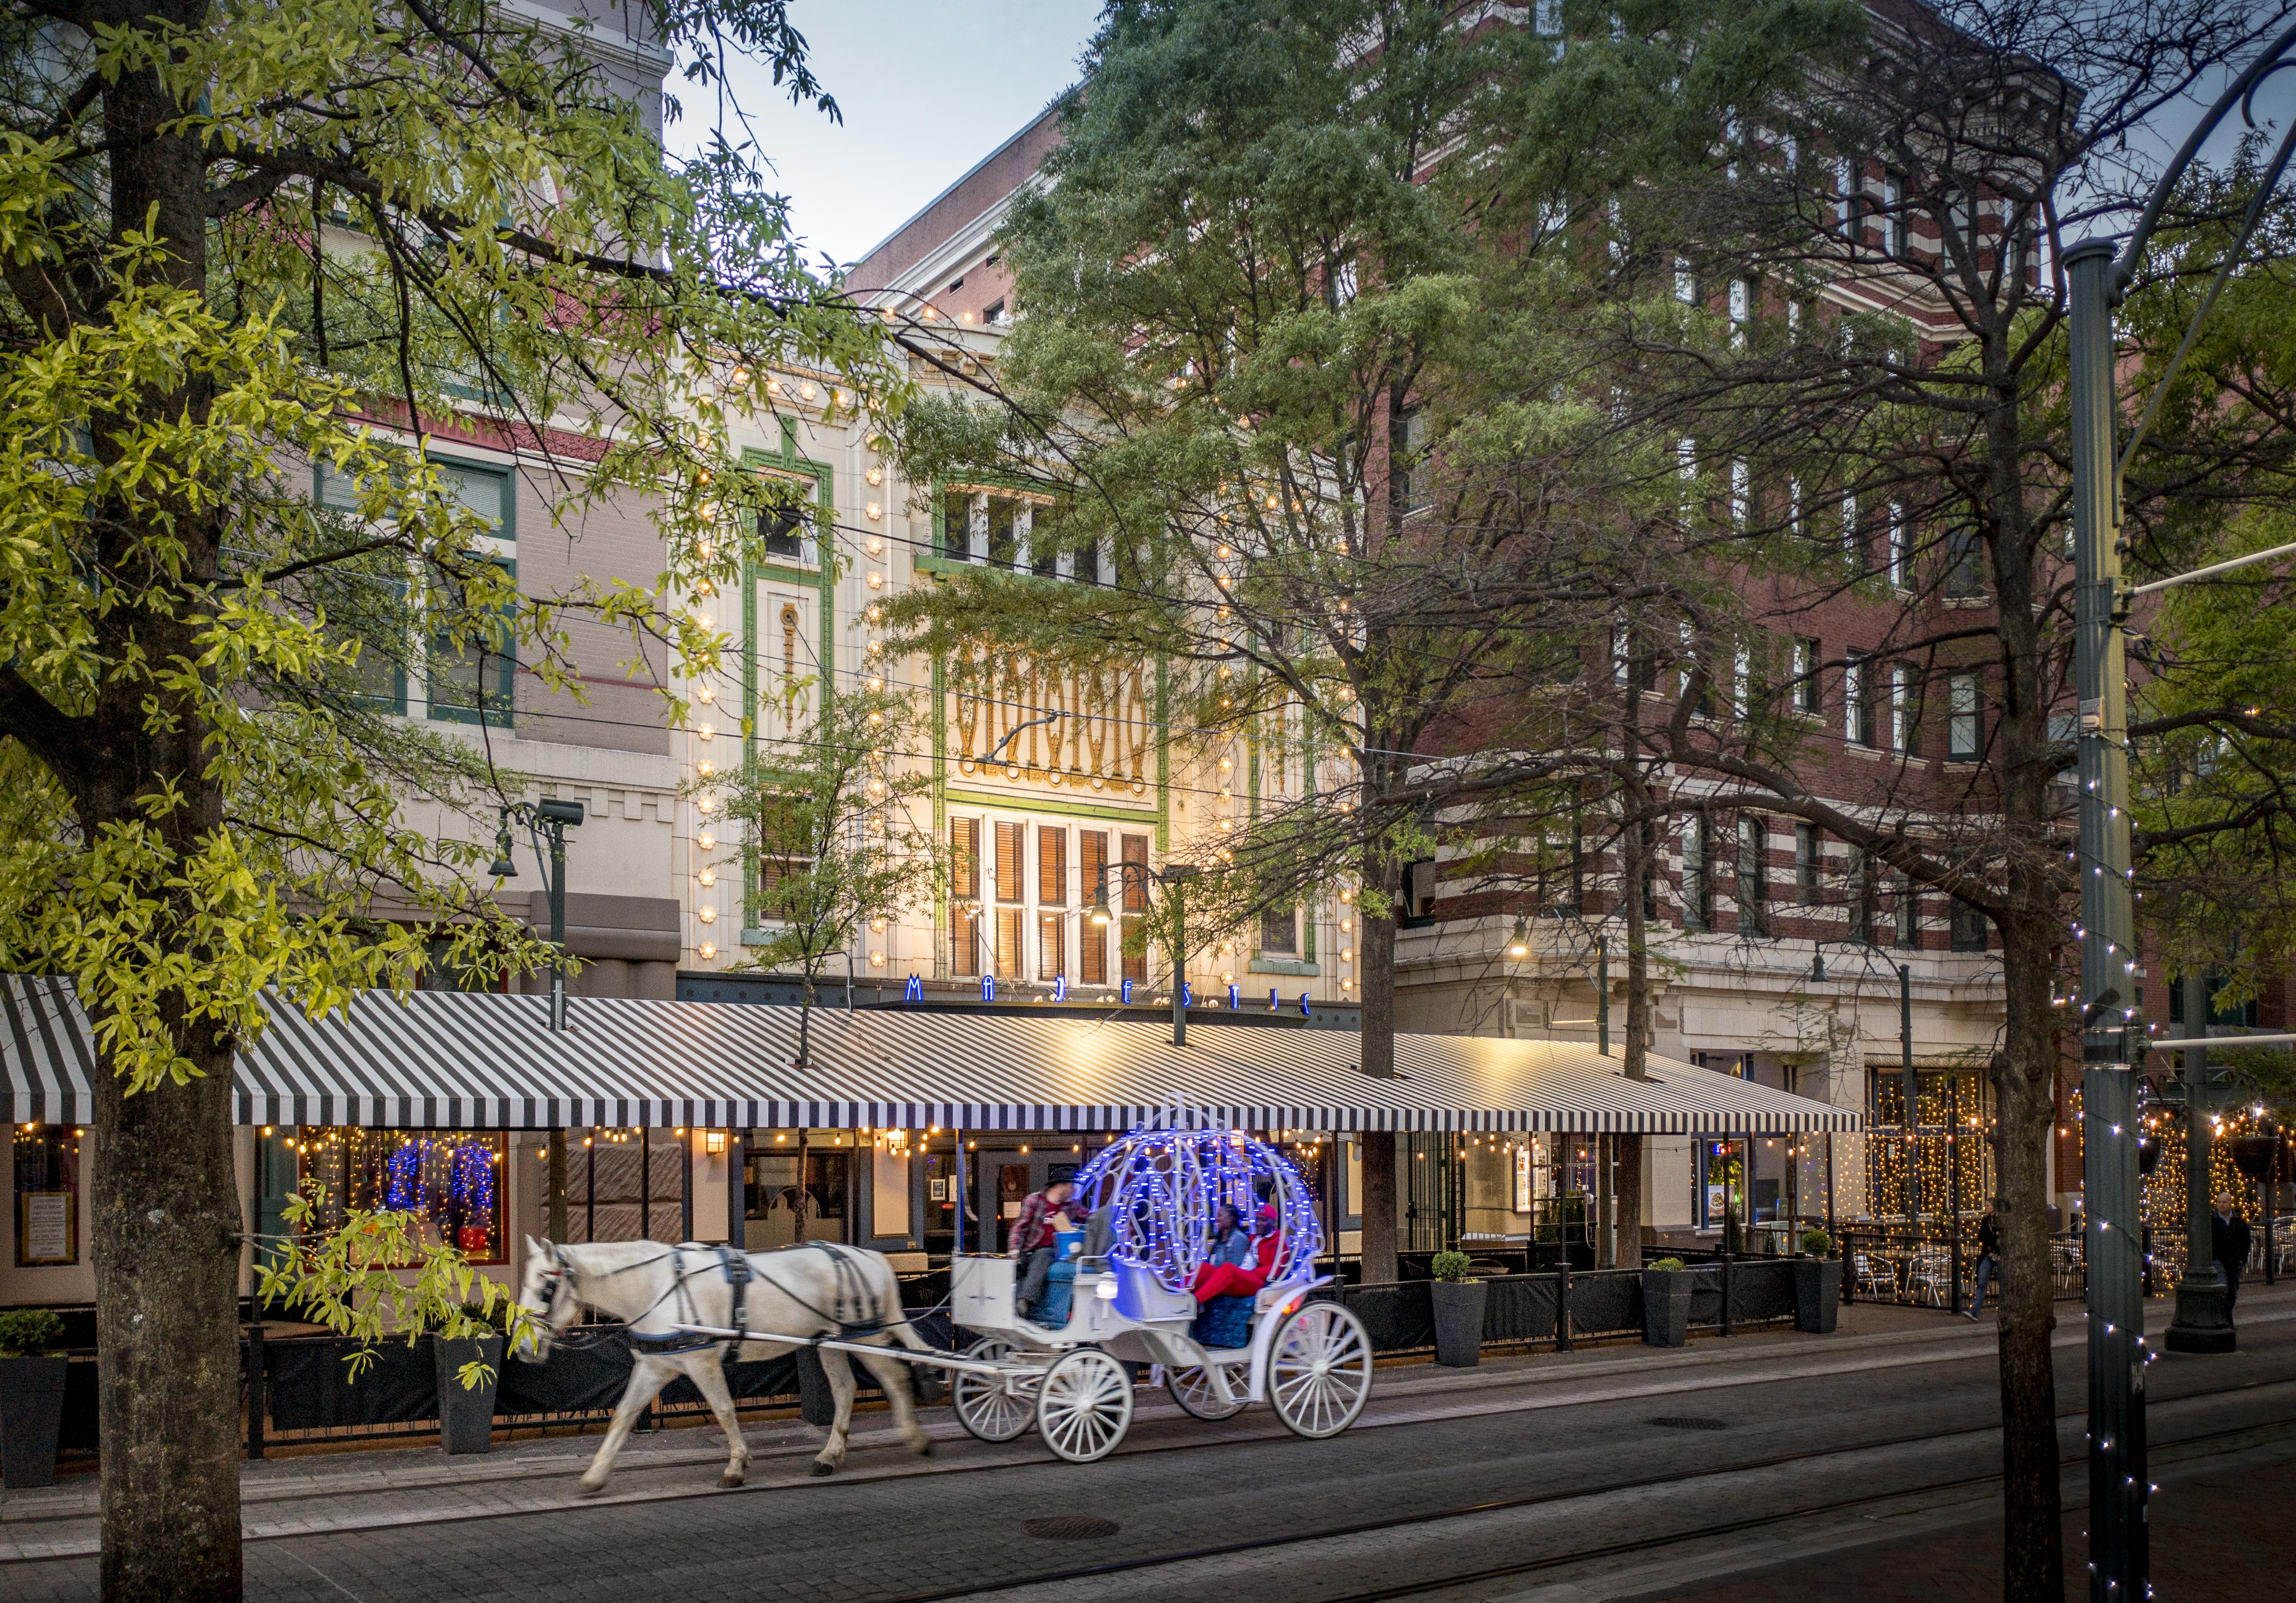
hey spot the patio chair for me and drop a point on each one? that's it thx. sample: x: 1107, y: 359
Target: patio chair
x: 1930, y: 1278
x: 1875, y: 1279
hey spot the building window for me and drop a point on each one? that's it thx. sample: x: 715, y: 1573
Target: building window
x: 470, y: 670
x: 1805, y: 675
x: 1092, y: 938
x: 1864, y: 897
x: 1970, y: 927
x: 1857, y: 712
x: 1909, y: 915
x: 1697, y: 875
x: 1136, y: 907
x: 782, y: 527
x: 964, y: 895
x: 1901, y: 548
x: 1806, y: 865
x: 47, y: 1194
x: 1754, y: 877
x: 1279, y: 932
x: 1003, y: 531
x: 1893, y: 216
x: 1417, y: 467
x: 449, y: 1179
x: 1965, y: 570
x: 1901, y: 707
x: 1965, y: 728
x: 955, y: 521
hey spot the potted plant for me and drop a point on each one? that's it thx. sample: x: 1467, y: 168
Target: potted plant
x: 1667, y: 1286
x: 1818, y: 1284
x: 1458, y: 1299
x: 470, y: 1372
x: 31, y: 1397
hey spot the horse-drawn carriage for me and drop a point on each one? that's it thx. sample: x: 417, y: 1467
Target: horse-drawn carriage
x: 1153, y: 1194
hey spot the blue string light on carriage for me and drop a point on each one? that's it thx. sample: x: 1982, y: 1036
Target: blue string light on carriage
x: 1165, y: 1177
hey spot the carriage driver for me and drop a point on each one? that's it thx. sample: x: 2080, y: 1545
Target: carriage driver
x: 1044, y: 1214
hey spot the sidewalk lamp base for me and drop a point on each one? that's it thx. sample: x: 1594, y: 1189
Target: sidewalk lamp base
x: 2201, y: 1324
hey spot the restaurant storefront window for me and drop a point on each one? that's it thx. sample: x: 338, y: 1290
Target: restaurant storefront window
x: 450, y: 1179
x: 47, y: 1194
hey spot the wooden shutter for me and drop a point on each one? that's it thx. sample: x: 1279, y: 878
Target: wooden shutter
x: 1051, y: 944
x: 1051, y: 865
x: 1092, y: 938
x: 1009, y: 839
x: 1010, y: 929
x: 964, y: 886
x: 1135, y: 883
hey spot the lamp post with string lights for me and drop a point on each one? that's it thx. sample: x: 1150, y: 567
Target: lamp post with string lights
x: 1173, y: 878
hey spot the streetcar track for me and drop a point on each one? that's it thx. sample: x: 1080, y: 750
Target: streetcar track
x: 1499, y: 1401
x: 1190, y: 1443
x: 1575, y: 1492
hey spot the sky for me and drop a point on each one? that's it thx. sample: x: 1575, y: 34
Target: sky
x: 927, y: 87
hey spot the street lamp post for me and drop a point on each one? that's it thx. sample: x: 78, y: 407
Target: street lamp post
x: 549, y: 820
x: 2119, y: 1560
x: 2202, y: 1324
x: 1173, y: 878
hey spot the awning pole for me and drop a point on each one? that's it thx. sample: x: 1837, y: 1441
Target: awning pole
x: 957, y: 1247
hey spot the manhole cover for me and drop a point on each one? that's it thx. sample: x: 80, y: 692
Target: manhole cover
x: 1069, y: 1527
x: 1689, y: 1422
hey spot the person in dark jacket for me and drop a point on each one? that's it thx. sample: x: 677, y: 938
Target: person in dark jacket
x: 1988, y: 1258
x: 2229, y: 1238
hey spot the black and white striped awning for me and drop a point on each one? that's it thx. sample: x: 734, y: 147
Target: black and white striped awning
x: 445, y: 1060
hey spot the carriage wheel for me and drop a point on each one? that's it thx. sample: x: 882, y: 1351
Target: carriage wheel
x: 1319, y: 1371
x: 995, y: 1408
x: 1084, y: 1405
x: 1192, y: 1389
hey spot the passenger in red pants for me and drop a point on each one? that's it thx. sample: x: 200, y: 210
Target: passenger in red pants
x: 1230, y: 1270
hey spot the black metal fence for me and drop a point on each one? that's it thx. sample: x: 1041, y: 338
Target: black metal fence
x: 299, y: 1390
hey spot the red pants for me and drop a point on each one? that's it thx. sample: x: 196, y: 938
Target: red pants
x: 1227, y: 1280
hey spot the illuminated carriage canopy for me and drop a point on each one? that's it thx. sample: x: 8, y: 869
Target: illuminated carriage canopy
x: 448, y: 1060
x: 1163, y: 1180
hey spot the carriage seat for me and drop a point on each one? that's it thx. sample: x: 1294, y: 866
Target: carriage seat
x: 1142, y: 1297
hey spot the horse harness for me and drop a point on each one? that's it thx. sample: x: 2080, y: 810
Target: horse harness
x: 855, y: 1313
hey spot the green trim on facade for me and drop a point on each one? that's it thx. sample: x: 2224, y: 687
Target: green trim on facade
x: 1140, y: 816
x: 822, y: 578
x: 1282, y: 966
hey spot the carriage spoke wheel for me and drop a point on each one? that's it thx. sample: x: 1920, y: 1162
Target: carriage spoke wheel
x: 1084, y: 1405
x: 995, y: 1408
x: 1319, y: 1371
x: 1191, y: 1388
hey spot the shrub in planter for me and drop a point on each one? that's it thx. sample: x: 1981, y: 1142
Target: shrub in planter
x: 31, y: 1397
x: 470, y: 1372
x: 1667, y: 1286
x: 1816, y: 1242
x: 1458, y: 1306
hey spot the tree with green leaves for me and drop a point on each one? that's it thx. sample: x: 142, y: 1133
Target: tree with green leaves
x: 827, y: 823
x: 1326, y: 418
x: 243, y: 248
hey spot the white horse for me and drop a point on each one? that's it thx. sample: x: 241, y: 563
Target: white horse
x: 804, y: 1291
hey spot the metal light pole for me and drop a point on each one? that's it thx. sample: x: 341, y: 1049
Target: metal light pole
x: 1173, y: 878
x: 2201, y: 1324
x: 1603, y: 996
x: 2118, y: 1558
x: 550, y: 819
x: 1910, y: 1086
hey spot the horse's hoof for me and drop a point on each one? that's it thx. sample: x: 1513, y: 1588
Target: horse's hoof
x: 592, y: 1488
x: 922, y: 1447
x: 821, y: 1468
x: 732, y: 1477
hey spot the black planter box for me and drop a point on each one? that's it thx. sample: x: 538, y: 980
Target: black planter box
x: 1666, y: 1306
x: 1458, y: 1307
x: 1817, y: 1294
x: 466, y: 1415
x: 31, y: 1413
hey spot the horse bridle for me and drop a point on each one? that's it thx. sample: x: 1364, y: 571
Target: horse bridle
x: 556, y: 1280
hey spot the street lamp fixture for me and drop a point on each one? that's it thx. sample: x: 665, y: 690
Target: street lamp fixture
x: 1173, y: 878
x: 1519, y: 943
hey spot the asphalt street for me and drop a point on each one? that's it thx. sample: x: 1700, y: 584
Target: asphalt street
x: 1750, y: 1468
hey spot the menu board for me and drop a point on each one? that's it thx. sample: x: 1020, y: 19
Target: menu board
x: 44, y: 1228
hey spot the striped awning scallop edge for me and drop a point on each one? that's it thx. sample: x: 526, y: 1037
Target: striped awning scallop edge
x: 450, y: 1060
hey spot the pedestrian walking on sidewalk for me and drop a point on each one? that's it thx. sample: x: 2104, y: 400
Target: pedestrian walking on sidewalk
x: 1988, y: 1258
x: 2229, y: 1239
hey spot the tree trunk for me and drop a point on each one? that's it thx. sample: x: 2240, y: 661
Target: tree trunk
x: 164, y: 1227
x: 2024, y: 1082
x: 1630, y: 1200
x: 1377, y: 1206
x: 1634, y: 865
x: 1377, y: 928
